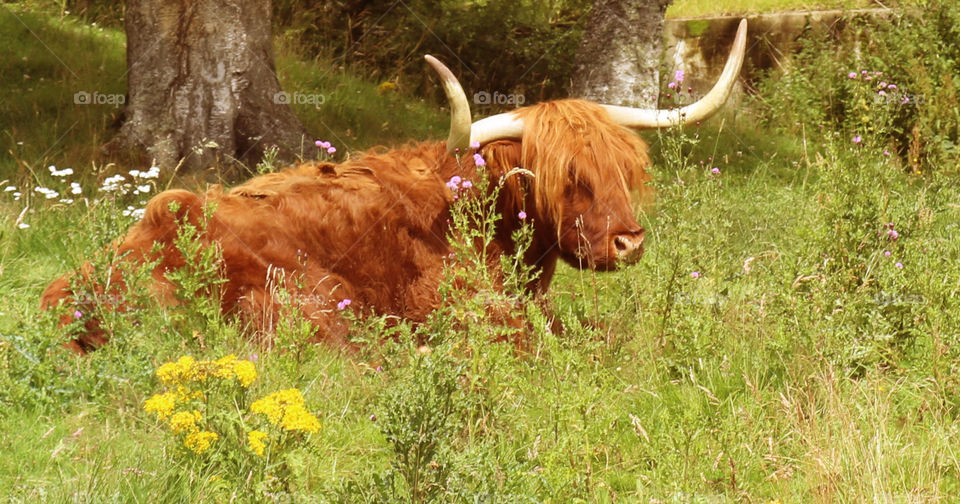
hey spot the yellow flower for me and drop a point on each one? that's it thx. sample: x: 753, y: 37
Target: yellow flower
x: 274, y: 405
x: 167, y: 372
x: 182, y: 370
x: 161, y: 404
x: 269, y: 408
x: 200, y: 441
x: 223, y: 367
x: 286, y: 408
x: 185, y: 421
x: 386, y: 86
x: 185, y: 394
x: 256, y: 439
x: 246, y: 372
x: 298, y: 418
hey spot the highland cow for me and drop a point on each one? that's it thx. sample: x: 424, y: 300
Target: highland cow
x: 375, y: 229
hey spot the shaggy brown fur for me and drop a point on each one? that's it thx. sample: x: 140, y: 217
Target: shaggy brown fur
x: 374, y: 229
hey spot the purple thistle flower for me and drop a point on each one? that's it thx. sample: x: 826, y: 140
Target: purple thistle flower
x: 899, y: 265
x: 478, y: 160
x: 852, y: 75
x: 695, y: 274
x: 857, y: 139
x: 77, y: 315
x: 715, y: 171
x: 331, y: 150
x: 318, y: 143
x: 475, y: 144
x: 522, y: 215
x: 672, y: 85
x: 342, y: 305
x: 886, y: 253
x: 466, y: 184
x: 893, y: 235
x: 678, y: 76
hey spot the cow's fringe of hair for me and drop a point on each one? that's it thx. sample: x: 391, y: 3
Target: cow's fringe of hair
x: 577, y: 136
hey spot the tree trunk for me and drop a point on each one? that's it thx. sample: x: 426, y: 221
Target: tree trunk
x: 618, y: 61
x: 202, y: 89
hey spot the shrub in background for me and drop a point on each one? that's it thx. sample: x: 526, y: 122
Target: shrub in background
x: 896, y: 78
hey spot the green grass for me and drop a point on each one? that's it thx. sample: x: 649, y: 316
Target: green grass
x: 802, y: 365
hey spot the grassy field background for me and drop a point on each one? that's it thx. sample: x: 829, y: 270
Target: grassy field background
x: 790, y: 336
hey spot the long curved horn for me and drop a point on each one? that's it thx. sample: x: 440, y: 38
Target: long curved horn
x: 460, y: 119
x: 507, y: 125
x: 698, y: 111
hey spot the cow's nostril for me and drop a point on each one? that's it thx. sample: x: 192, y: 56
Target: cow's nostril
x: 628, y: 246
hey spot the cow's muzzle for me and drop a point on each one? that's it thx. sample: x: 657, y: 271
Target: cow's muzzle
x: 628, y: 247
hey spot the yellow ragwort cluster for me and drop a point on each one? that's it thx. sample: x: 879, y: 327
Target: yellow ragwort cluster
x: 189, y: 370
x: 182, y: 371
x: 185, y: 421
x: 230, y: 367
x: 161, y: 404
x: 286, y: 408
x: 180, y: 378
x: 199, y: 441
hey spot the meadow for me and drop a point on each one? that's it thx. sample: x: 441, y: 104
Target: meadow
x: 790, y: 335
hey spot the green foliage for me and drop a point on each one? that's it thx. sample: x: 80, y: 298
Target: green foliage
x: 831, y: 87
x: 416, y: 418
x: 198, y: 283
